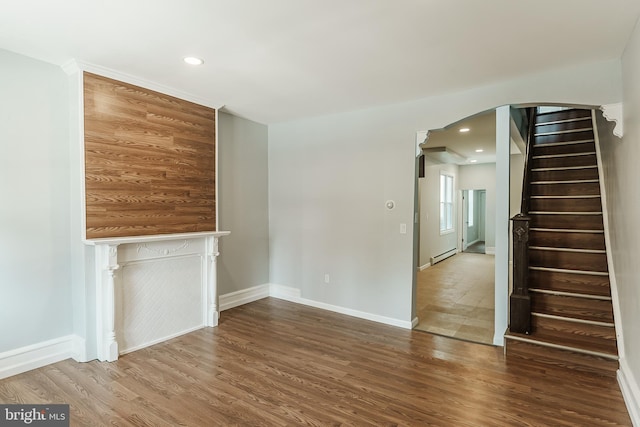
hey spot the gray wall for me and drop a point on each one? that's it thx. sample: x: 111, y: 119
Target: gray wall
x: 330, y: 176
x: 243, y: 197
x: 621, y: 177
x: 483, y: 177
x: 35, y: 284
x: 432, y: 243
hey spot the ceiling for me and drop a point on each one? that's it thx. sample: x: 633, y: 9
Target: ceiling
x: 279, y: 60
x: 481, y: 136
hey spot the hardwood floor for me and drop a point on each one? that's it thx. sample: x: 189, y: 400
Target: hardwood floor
x: 455, y: 297
x: 272, y: 362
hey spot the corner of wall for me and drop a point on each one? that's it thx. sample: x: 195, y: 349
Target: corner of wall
x: 630, y: 391
x: 37, y: 355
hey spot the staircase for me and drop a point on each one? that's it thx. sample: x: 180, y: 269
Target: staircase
x: 567, y: 288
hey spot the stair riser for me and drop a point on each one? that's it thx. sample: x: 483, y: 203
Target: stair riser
x: 559, y: 127
x: 569, y: 189
x: 568, y: 260
x: 550, y: 357
x: 567, y: 240
x: 596, y: 338
x: 566, y: 205
x: 564, y: 137
x: 579, y: 308
x: 570, y: 282
x: 571, y: 222
x: 562, y: 115
x: 556, y: 162
x: 564, y: 175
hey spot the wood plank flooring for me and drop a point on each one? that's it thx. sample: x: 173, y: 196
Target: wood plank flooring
x: 272, y: 362
x: 455, y: 297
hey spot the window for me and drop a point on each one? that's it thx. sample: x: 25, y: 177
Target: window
x: 446, y: 203
x: 470, y: 206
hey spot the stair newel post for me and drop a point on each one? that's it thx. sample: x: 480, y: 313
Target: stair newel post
x: 520, y: 302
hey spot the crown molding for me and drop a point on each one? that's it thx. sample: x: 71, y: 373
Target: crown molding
x: 75, y: 66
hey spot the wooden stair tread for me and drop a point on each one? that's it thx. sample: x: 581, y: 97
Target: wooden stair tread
x: 587, y: 187
x: 568, y: 260
x: 570, y: 282
x: 575, y: 307
x: 572, y: 113
x: 545, y: 356
x: 574, y: 142
x: 563, y: 159
x: 572, y: 240
x: 567, y: 222
x: 566, y: 204
x: 567, y: 344
x: 593, y: 338
x: 583, y: 173
x: 565, y: 126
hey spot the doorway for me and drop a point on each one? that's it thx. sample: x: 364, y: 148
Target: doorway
x: 508, y: 153
x: 473, y: 221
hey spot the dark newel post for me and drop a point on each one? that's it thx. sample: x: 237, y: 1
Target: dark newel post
x: 520, y: 313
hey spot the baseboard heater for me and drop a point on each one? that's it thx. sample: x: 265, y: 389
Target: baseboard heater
x: 443, y: 256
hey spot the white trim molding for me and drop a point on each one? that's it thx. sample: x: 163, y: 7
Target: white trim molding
x: 490, y: 250
x: 23, y: 359
x: 74, y: 66
x: 424, y: 267
x: 630, y: 391
x: 243, y: 296
x: 415, y: 322
x: 614, y: 113
x: 294, y: 295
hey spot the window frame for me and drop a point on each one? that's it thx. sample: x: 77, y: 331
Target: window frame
x: 446, y: 207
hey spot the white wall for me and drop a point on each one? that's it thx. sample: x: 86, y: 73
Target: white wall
x: 329, y: 177
x: 621, y: 177
x: 35, y: 284
x: 242, y: 200
x: 483, y: 177
x: 432, y: 243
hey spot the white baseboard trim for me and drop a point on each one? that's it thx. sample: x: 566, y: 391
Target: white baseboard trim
x: 630, y: 391
x: 415, y: 322
x: 159, y: 340
x: 23, y: 359
x: 243, y: 296
x: 285, y: 292
x: 490, y: 250
x: 293, y: 295
x: 424, y: 267
x: 79, y: 353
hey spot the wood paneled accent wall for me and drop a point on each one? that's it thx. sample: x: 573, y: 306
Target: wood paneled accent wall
x: 149, y: 162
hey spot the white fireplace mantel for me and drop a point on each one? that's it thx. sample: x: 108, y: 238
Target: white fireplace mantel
x: 113, y: 253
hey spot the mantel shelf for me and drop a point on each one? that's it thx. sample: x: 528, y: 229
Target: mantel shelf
x: 155, y: 238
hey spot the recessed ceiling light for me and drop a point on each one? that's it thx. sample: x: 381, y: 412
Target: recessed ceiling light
x: 479, y: 150
x: 473, y: 161
x: 464, y: 130
x: 192, y: 60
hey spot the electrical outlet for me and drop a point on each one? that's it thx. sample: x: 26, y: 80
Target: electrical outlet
x: 326, y: 278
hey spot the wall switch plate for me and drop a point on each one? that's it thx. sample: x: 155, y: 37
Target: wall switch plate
x: 326, y: 278
x: 403, y: 228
